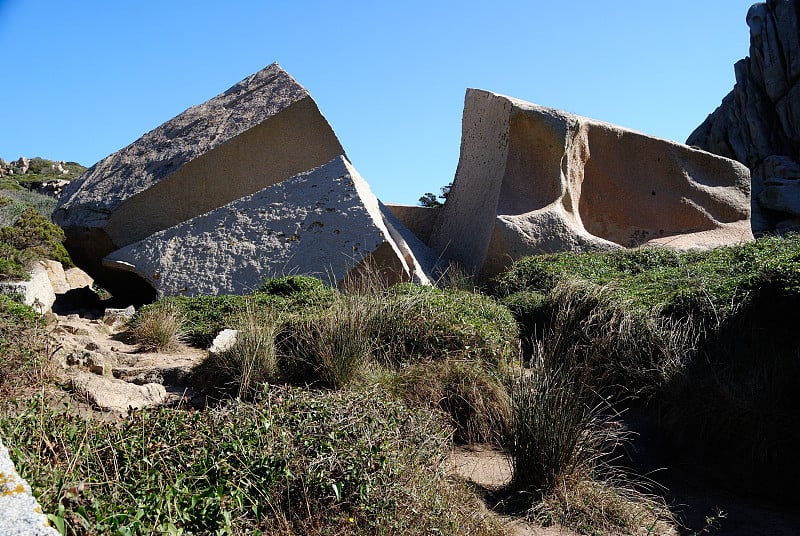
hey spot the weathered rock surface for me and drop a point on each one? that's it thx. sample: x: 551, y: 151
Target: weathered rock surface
x: 758, y: 122
x: 38, y: 291
x: 261, y: 131
x: 112, y: 394
x: 535, y: 180
x: 20, y: 513
x: 224, y: 341
x: 325, y: 222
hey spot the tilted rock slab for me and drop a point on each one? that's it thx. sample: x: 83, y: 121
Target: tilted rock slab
x: 261, y: 131
x: 536, y: 180
x: 325, y: 222
x: 758, y: 122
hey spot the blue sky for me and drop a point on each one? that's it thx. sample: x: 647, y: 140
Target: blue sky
x: 83, y: 79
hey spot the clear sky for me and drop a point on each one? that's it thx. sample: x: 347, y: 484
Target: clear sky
x: 83, y: 79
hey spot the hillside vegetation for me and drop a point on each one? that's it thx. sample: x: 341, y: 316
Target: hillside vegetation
x: 334, y: 410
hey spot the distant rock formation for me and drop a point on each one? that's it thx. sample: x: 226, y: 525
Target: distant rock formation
x: 536, y: 180
x: 758, y: 122
x: 261, y: 132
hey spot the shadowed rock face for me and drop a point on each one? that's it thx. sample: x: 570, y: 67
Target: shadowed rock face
x: 535, y: 180
x: 758, y: 122
x: 324, y: 222
x: 261, y: 131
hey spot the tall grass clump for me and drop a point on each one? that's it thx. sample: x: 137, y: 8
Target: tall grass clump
x: 251, y: 361
x: 613, y: 347
x: 560, y: 440
x: 339, y: 344
x: 158, y: 328
x: 472, y: 396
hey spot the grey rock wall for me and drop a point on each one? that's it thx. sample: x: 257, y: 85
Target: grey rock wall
x: 758, y: 122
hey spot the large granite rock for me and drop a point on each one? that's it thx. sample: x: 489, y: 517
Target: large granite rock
x: 535, y: 180
x: 758, y: 122
x: 261, y: 131
x: 325, y: 222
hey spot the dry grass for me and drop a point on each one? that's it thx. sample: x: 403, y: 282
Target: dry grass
x: 159, y: 328
x: 252, y: 360
x: 474, y: 399
x: 339, y: 345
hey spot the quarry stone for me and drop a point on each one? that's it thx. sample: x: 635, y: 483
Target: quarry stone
x: 759, y: 120
x: 325, y: 222
x: 261, y: 131
x: 535, y: 180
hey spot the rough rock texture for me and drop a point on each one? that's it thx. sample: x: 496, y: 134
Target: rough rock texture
x: 38, y: 291
x: 20, y: 513
x: 758, y: 122
x: 224, y: 341
x: 261, y: 131
x: 533, y: 180
x: 117, y: 395
x: 325, y: 222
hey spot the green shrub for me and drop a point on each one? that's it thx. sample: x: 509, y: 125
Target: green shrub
x: 37, y: 235
x: 707, y: 336
x: 24, y: 347
x: 206, y: 316
x: 434, y: 324
x: 296, y: 462
x: 44, y: 204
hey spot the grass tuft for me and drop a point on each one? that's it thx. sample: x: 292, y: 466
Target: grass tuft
x: 159, y: 328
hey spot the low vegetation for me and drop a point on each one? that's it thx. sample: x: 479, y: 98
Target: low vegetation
x: 293, y: 462
x: 335, y: 409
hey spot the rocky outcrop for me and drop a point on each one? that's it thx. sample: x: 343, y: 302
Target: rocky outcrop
x: 260, y: 132
x: 324, y: 222
x: 48, y: 281
x: 758, y: 122
x: 535, y: 180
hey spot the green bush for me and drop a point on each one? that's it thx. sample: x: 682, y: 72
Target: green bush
x: 206, y: 316
x: 37, y: 235
x: 707, y: 337
x: 296, y: 462
x: 434, y: 324
x: 21, y: 199
x: 23, y: 347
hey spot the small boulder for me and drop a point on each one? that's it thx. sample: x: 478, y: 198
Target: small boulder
x: 20, y: 513
x: 116, y: 395
x: 223, y: 341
